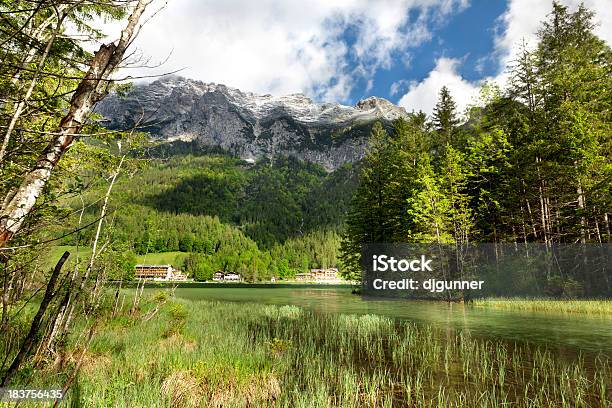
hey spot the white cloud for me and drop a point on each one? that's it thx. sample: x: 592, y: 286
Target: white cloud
x: 522, y: 19
x: 519, y: 22
x: 280, y: 47
x: 398, y: 86
x: 424, y: 95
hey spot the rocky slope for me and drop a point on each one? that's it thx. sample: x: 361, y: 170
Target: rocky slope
x: 249, y: 125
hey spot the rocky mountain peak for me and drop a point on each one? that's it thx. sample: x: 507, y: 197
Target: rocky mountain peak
x: 248, y: 124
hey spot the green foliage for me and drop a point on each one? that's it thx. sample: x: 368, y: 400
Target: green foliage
x: 117, y: 262
x: 429, y: 208
x: 198, y: 266
x: 38, y: 53
x: 215, y: 212
x: 400, y: 197
x: 531, y: 164
x: 160, y: 297
x: 278, y: 347
x: 177, y: 319
x: 445, y: 121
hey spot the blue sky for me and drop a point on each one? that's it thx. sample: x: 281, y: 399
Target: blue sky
x: 467, y: 36
x: 346, y: 50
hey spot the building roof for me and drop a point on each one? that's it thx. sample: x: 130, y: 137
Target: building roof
x: 152, y: 266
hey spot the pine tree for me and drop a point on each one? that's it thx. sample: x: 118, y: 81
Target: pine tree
x: 369, y: 219
x: 445, y: 118
x: 564, y: 83
x: 408, y: 143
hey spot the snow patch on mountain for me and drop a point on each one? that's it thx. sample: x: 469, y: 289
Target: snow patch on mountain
x: 248, y: 124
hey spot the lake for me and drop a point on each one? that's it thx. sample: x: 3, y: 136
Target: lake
x: 563, y: 333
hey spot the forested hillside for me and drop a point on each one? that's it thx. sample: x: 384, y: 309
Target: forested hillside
x: 264, y: 219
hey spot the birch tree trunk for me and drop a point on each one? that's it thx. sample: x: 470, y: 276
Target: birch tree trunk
x: 92, y: 88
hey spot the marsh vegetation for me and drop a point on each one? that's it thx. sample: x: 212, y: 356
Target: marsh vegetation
x: 201, y: 353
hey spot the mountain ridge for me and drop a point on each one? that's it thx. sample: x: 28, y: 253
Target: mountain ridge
x: 249, y: 125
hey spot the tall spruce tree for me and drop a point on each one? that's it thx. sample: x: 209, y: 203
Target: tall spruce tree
x: 368, y: 220
x: 445, y: 119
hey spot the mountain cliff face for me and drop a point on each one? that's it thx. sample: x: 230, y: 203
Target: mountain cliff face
x: 248, y: 125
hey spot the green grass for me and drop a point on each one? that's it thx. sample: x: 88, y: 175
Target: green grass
x: 174, y: 258
x: 586, y: 306
x: 217, y: 354
x: 55, y: 253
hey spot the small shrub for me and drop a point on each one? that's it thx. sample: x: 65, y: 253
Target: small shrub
x: 178, y: 318
x: 278, y: 347
x: 160, y: 297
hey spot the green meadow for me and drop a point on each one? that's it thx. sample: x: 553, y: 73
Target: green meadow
x: 182, y: 353
x: 174, y: 258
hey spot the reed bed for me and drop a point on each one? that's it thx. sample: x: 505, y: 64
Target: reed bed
x: 216, y: 354
x: 586, y: 306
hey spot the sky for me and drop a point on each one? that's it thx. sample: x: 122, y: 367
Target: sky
x: 345, y: 50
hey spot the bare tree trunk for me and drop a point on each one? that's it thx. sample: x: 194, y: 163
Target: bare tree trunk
x: 581, y: 206
x: 91, y: 90
x: 549, y: 218
x: 56, y: 322
x: 116, y: 304
x: 597, y: 230
x: 94, y: 249
x: 30, y: 339
x: 137, y: 295
x: 60, y: 326
x: 5, y: 293
x: 543, y: 215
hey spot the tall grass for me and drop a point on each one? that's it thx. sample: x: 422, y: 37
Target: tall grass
x: 593, y: 306
x: 214, y: 354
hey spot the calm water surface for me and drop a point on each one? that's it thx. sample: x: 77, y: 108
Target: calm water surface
x: 563, y: 332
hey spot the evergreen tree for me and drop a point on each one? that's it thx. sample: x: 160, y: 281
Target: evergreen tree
x: 368, y: 220
x: 445, y: 120
x: 564, y: 83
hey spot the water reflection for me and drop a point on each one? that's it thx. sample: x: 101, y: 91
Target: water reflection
x: 563, y: 332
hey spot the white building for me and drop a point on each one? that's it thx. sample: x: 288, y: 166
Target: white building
x: 220, y: 276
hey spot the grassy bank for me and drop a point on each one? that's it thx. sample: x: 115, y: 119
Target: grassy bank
x: 595, y: 307
x: 55, y: 253
x: 175, y: 258
x: 235, y: 355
